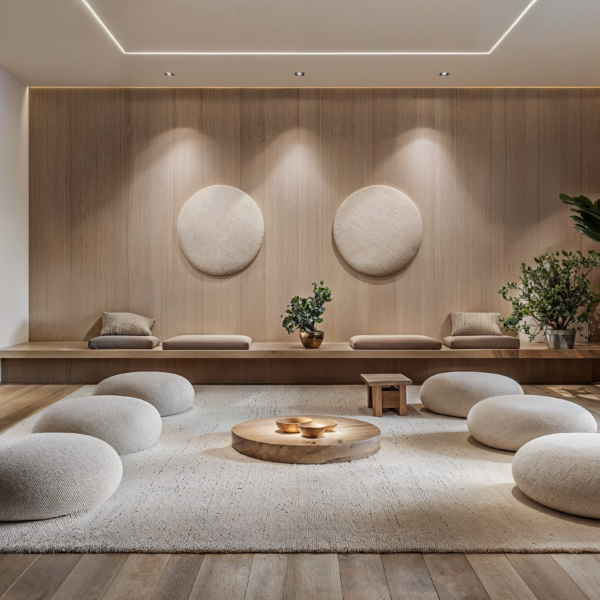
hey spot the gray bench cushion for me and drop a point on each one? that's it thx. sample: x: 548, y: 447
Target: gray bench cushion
x: 208, y: 342
x: 394, y: 342
x: 482, y: 342
x: 123, y: 342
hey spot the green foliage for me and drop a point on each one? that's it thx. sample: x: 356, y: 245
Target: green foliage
x: 552, y: 294
x: 305, y: 313
x: 586, y: 217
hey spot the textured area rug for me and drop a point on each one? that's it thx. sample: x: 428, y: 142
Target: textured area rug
x: 431, y: 488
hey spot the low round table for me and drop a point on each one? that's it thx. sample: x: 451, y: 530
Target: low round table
x: 350, y: 440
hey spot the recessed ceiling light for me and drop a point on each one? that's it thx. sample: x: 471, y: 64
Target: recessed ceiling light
x: 299, y: 73
x: 170, y: 74
x: 444, y: 74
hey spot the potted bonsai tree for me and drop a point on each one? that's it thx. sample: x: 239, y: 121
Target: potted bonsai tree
x: 304, y: 314
x: 553, y: 297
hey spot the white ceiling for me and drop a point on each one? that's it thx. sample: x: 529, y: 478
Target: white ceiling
x: 62, y: 43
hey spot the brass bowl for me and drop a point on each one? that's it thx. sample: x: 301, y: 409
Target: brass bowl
x: 312, y: 339
x: 290, y: 424
x: 331, y: 424
x: 314, y: 429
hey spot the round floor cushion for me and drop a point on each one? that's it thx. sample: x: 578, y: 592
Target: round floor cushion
x: 170, y: 394
x: 220, y: 230
x: 127, y: 424
x: 454, y: 394
x: 378, y: 230
x: 509, y: 422
x: 561, y: 471
x: 48, y: 475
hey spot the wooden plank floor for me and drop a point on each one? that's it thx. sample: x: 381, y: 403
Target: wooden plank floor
x: 409, y: 576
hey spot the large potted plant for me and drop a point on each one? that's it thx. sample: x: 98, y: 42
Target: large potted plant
x: 553, y: 297
x: 304, y: 314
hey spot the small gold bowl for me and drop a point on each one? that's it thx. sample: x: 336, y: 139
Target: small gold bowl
x: 290, y: 424
x: 313, y: 429
x: 331, y: 424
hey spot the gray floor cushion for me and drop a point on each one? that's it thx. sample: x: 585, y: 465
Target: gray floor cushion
x: 394, y: 342
x: 455, y: 393
x: 170, y: 394
x: 208, y: 342
x: 123, y: 342
x: 127, y: 424
x: 48, y: 475
x: 561, y: 471
x: 509, y: 422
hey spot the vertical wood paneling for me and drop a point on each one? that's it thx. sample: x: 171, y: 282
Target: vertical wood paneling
x: 111, y: 169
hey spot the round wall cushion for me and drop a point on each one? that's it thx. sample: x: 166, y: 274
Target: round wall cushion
x: 509, y: 422
x: 170, y: 394
x: 378, y: 230
x: 127, y: 424
x: 456, y: 393
x: 220, y: 230
x: 48, y: 475
x: 561, y: 471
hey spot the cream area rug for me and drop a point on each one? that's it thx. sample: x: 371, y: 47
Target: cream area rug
x: 431, y: 488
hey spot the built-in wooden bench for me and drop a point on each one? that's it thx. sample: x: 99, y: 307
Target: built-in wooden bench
x: 290, y: 362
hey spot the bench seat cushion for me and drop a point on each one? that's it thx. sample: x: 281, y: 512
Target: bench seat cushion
x: 208, y: 342
x: 123, y: 342
x: 482, y: 342
x: 394, y: 342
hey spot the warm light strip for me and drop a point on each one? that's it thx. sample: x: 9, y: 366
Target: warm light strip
x: 114, y: 39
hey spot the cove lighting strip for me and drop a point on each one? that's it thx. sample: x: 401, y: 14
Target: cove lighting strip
x: 114, y: 39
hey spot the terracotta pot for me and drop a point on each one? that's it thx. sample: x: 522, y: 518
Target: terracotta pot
x: 312, y: 339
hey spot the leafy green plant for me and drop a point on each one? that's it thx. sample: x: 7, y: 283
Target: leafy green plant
x: 586, y: 217
x: 305, y: 313
x: 551, y: 295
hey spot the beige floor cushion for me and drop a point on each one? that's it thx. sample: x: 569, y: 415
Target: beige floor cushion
x: 394, y: 342
x: 170, y: 394
x: 127, y: 424
x: 561, y: 471
x: 455, y: 393
x: 208, y: 342
x: 123, y: 342
x: 509, y: 422
x: 47, y: 475
x: 482, y: 342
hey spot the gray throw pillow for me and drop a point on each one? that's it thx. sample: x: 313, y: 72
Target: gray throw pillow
x: 475, y: 323
x: 125, y: 324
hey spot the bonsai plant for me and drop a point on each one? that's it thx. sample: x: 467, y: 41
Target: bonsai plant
x: 304, y: 314
x: 553, y: 297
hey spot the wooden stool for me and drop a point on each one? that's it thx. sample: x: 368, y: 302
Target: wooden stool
x: 387, y: 391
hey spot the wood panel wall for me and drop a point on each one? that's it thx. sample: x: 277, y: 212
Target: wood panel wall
x: 111, y: 169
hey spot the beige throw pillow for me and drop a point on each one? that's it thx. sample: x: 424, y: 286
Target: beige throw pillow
x: 475, y: 323
x: 125, y: 324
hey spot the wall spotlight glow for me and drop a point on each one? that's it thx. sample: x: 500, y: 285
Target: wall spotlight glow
x: 444, y: 73
x: 299, y: 73
x: 170, y: 74
x: 114, y: 39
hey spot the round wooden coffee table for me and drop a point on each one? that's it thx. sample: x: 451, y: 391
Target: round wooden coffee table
x: 350, y: 440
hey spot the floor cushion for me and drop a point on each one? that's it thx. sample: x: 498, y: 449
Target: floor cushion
x: 561, y: 471
x: 456, y: 393
x: 127, y: 424
x: 123, y: 342
x: 208, y: 342
x: 170, y: 394
x: 509, y: 422
x: 482, y: 342
x: 48, y: 475
x: 394, y: 342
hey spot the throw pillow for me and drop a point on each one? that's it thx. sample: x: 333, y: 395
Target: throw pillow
x: 475, y: 323
x: 125, y: 324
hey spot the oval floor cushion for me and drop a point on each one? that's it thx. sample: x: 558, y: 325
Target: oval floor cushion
x: 509, y: 422
x: 127, y: 424
x: 46, y: 475
x: 561, y: 471
x: 170, y: 394
x: 455, y: 393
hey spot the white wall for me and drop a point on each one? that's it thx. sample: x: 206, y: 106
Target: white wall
x: 14, y: 211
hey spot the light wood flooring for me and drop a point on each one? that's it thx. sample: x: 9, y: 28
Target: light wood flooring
x: 292, y: 576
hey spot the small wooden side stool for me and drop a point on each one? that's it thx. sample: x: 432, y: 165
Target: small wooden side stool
x: 387, y: 391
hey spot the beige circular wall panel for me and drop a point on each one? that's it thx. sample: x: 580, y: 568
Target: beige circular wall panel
x: 378, y: 230
x: 220, y: 230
